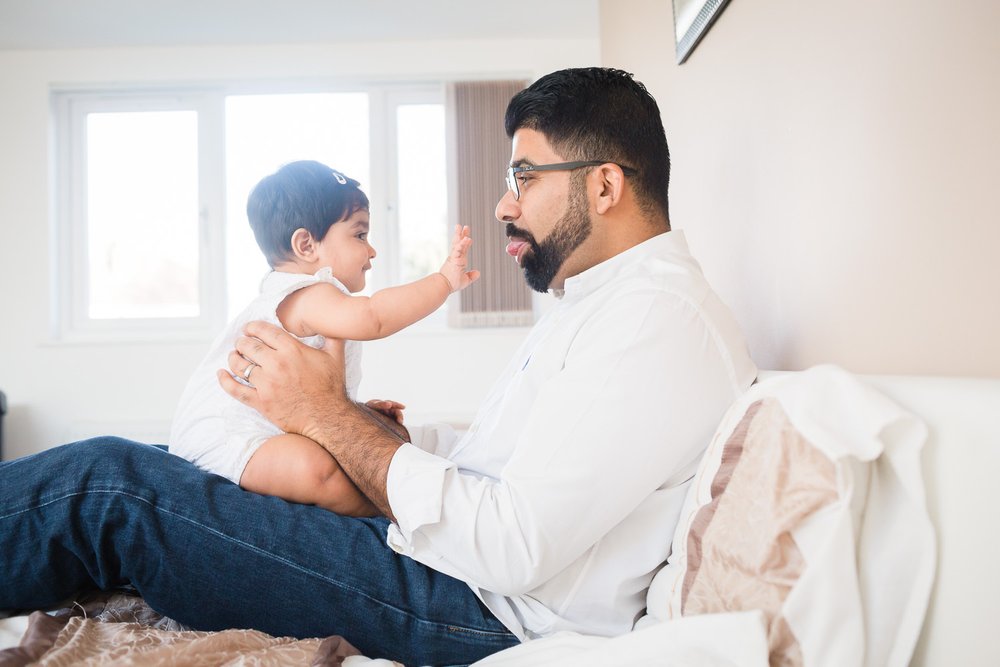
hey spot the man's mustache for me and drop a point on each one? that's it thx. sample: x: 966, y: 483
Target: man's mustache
x: 515, y: 231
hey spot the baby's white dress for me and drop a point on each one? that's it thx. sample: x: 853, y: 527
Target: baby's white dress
x: 215, y: 431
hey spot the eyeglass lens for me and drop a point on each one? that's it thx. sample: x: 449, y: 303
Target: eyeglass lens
x: 512, y: 183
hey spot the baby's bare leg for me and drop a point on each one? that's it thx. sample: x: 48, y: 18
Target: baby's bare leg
x: 295, y: 468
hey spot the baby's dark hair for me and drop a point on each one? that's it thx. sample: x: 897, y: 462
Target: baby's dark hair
x: 306, y: 194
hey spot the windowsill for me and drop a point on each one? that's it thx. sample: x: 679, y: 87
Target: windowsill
x: 88, y: 339
x: 440, y: 327
x: 428, y: 328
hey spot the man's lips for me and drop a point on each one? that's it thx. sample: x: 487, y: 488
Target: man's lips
x: 517, y: 247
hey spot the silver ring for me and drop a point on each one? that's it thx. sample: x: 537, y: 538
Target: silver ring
x: 249, y: 369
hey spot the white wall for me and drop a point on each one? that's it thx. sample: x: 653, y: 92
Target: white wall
x: 835, y: 169
x: 58, y: 392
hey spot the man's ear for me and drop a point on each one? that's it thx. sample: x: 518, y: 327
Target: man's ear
x: 303, y: 244
x: 610, y: 183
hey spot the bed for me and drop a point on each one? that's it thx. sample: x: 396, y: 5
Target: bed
x: 904, y: 465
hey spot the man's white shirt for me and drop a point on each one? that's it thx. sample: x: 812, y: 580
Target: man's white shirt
x: 558, y: 505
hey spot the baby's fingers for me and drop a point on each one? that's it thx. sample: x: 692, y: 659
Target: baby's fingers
x: 462, y: 233
x: 461, y: 247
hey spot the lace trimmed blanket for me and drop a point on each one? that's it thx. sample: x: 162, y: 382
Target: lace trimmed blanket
x: 117, y: 628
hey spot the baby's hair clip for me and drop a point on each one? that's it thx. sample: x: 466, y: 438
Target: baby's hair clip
x: 339, y: 176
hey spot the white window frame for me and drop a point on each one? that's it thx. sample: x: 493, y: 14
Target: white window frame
x: 383, y: 103
x: 70, y: 318
x: 72, y: 322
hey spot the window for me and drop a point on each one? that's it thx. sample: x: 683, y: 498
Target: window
x: 152, y: 186
x: 134, y: 247
x: 422, y: 176
x: 129, y: 208
x: 265, y: 131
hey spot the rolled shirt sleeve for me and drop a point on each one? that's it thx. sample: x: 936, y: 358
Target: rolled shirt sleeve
x: 416, y: 486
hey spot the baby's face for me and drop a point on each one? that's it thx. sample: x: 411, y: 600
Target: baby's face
x: 346, y: 250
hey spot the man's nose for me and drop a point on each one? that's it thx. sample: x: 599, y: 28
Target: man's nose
x: 508, y: 208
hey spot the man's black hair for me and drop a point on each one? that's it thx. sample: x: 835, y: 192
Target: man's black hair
x: 599, y: 113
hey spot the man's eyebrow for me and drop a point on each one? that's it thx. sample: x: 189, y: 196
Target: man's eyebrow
x: 522, y: 162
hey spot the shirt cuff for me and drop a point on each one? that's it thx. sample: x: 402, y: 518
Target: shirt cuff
x: 415, y: 488
x: 437, y: 439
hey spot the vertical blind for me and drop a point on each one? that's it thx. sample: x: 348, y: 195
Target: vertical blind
x: 480, y: 153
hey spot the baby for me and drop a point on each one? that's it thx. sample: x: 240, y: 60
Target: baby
x: 311, y: 222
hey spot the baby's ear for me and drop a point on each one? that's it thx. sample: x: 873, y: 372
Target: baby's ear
x: 303, y: 244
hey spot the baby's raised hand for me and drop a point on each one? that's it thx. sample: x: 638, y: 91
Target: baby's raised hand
x: 453, y: 268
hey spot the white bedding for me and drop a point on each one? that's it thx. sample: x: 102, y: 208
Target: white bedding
x: 961, y: 414
x: 11, y: 630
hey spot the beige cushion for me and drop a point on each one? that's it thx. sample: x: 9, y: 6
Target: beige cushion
x: 808, y: 506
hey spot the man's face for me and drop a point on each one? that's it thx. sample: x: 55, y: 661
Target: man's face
x: 550, y: 220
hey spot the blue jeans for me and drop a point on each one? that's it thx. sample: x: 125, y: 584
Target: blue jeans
x: 107, y: 512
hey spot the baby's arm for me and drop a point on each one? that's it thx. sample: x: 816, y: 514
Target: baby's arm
x: 322, y: 309
x: 295, y: 468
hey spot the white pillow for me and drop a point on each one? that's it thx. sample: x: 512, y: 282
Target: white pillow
x: 809, y: 506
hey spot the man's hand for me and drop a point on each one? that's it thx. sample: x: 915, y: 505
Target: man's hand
x: 293, y: 385
x: 301, y: 390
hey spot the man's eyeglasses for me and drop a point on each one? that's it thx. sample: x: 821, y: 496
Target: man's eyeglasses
x: 512, y: 172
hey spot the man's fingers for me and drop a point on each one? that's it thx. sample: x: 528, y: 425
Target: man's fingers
x: 240, y: 392
x: 239, y: 364
x: 249, y: 349
x: 269, y: 334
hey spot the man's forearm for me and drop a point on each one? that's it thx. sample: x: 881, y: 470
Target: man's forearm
x: 362, y: 445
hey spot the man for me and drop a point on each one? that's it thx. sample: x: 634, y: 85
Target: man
x: 552, y: 513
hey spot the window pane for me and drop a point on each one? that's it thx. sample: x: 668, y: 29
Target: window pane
x: 265, y: 131
x: 142, y: 214
x: 423, y: 193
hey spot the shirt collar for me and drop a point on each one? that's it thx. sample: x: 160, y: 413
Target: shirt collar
x: 582, y: 284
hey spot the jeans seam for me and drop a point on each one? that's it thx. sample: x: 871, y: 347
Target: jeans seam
x: 450, y: 627
x: 473, y: 631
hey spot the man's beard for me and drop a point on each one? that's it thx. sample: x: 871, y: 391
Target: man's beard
x: 546, y: 258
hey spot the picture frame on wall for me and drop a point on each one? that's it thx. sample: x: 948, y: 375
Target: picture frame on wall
x: 692, y: 19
